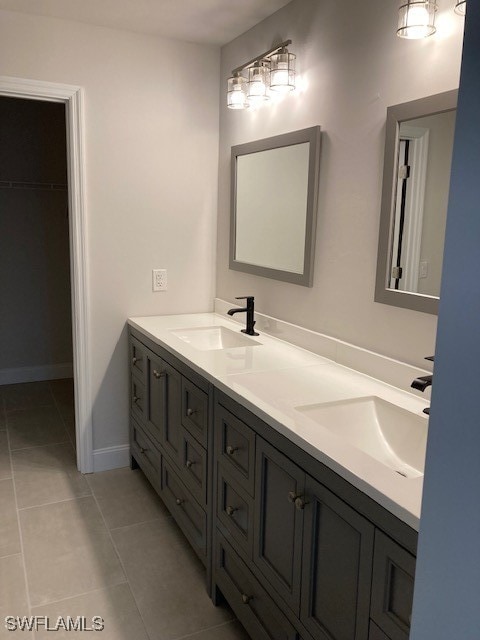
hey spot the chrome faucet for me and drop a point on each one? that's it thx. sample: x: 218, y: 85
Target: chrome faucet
x: 249, y: 309
x: 422, y: 382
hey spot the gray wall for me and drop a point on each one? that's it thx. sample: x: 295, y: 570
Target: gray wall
x: 447, y: 590
x: 352, y: 66
x: 35, y: 316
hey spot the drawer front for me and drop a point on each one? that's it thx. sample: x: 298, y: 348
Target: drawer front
x: 235, y: 447
x: 234, y: 512
x: 188, y: 514
x: 194, y: 467
x: 138, y: 358
x: 195, y: 411
x: 260, y: 616
x: 146, y: 454
x: 138, y: 399
x: 392, y: 591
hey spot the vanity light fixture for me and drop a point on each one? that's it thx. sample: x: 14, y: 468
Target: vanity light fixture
x: 252, y: 83
x: 416, y: 19
x: 461, y: 7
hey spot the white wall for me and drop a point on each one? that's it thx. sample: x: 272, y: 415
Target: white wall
x: 352, y: 67
x: 151, y: 125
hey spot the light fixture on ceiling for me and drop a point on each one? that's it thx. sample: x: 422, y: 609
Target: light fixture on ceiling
x: 461, y: 7
x: 416, y: 19
x: 251, y: 84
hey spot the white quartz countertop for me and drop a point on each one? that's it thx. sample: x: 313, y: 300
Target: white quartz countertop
x: 274, y: 378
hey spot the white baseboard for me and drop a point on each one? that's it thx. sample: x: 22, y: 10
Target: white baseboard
x: 111, y: 458
x: 36, y: 374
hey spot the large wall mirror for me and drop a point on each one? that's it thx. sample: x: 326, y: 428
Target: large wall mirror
x: 416, y: 181
x: 274, y: 205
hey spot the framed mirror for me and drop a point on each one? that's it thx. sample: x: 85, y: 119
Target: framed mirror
x: 416, y: 180
x: 274, y: 193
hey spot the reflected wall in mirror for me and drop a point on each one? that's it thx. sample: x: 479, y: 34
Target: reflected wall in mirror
x: 273, y: 206
x: 416, y: 181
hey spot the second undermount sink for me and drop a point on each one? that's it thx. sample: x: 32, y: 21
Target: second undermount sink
x: 214, y: 338
x: 392, y: 435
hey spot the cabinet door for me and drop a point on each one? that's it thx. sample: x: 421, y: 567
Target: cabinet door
x: 337, y: 567
x: 164, y: 406
x: 278, y: 521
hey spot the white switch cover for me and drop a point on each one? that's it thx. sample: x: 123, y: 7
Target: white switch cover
x: 423, y: 271
x: 159, y: 279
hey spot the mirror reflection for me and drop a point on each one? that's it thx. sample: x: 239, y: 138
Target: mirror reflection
x: 424, y: 164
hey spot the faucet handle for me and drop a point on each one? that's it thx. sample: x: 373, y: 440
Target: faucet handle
x: 244, y: 297
x: 430, y: 358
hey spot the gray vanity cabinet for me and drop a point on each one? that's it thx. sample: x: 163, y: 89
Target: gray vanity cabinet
x: 279, y: 504
x: 337, y: 567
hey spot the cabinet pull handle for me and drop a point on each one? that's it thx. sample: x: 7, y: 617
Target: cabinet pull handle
x: 179, y: 501
x: 142, y: 450
x: 190, y: 412
x: 246, y: 599
x: 230, y: 511
x: 189, y: 464
x: 136, y: 399
x: 230, y: 450
x: 157, y: 374
x: 292, y: 496
x: 134, y: 361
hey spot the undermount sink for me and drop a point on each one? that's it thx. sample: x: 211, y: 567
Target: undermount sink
x: 214, y: 338
x: 394, y: 436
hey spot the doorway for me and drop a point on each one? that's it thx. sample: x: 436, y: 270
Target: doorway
x: 71, y: 97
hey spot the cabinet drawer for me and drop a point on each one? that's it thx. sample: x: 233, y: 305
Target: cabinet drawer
x: 260, y: 616
x: 194, y: 467
x: 195, y: 411
x: 138, y: 399
x: 235, y: 447
x: 392, y: 591
x: 234, y: 511
x: 138, y: 358
x: 188, y: 514
x: 146, y: 454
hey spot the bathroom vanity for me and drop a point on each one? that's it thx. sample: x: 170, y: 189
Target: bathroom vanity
x: 306, y: 535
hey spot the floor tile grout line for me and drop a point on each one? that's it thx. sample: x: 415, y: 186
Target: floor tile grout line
x: 40, y: 446
x: 22, y: 548
x: 216, y: 626
x: 79, y: 595
x: 121, y: 562
x: 11, y: 555
x: 48, y: 504
x: 167, y: 516
x: 61, y: 416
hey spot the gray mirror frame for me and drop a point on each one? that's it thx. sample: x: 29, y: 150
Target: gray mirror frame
x: 395, y: 115
x: 313, y: 136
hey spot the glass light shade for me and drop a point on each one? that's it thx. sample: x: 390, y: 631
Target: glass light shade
x: 461, y: 7
x: 258, y: 82
x: 282, y: 71
x: 416, y: 19
x: 237, y: 92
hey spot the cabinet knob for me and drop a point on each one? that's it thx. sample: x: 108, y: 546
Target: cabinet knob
x: 292, y: 496
x: 136, y: 399
x: 142, y: 450
x: 190, y: 412
x: 230, y: 450
x: 230, y: 511
x: 189, y: 464
x: 246, y: 599
x: 134, y: 360
x: 300, y: 503
x: 157, y: 374
x: 178, y: 501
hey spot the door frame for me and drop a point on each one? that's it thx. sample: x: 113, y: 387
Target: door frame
x: 72, y: 97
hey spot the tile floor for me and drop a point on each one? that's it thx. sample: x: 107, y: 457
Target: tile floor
x: 97, y: 545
